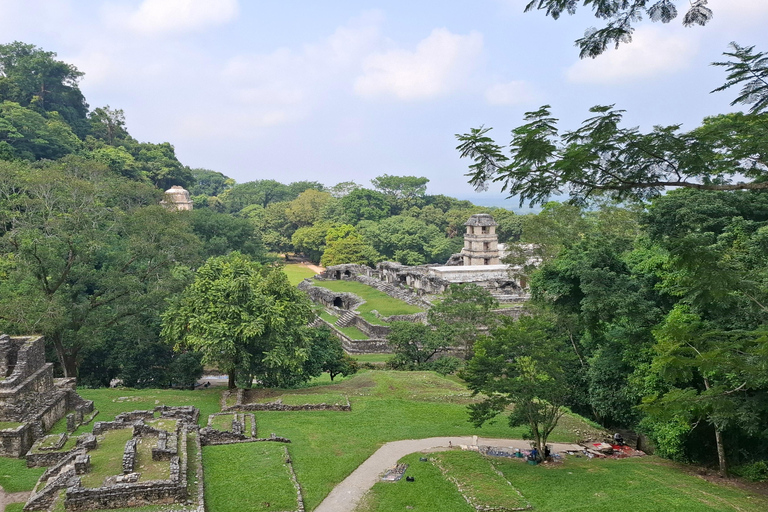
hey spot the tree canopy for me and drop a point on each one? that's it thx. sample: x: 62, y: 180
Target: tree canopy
x: 620, y: 17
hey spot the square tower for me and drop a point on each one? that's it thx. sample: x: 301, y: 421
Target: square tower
x: 481, y: 244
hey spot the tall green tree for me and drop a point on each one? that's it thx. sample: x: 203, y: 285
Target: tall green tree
x: 246, y: 319
x: 32, y: 77
x: 524, y: 363
x: 86, y: 251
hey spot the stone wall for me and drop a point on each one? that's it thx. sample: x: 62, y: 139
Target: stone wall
x: 326, y: 297
x: 17, y: 441
x: 371, y: 346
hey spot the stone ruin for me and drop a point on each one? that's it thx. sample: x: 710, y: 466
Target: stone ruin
x: 63, y: 478
x: 31, y: 400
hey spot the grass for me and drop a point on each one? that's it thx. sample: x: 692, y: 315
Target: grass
x: 167, y: 424
x: 252, y: 476
x: 14, y: 507
x: 351, y: 332
x: 429, y: 492
x: 372, y: 358
x: 374, y: 299
x: 297, y: 273
x: 638, y: 484
x: 297, y: 397
x: 9, y: 424
x: 15, y: 476
x: 478, y: 480
x: 107, y: 458
x: 222, y: 422
x: 150, y: 469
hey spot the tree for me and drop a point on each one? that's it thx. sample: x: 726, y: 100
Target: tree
x: 463, y: 312
x: 108, y: 125
x: 259, y: 192
x: 620, y: 15
x: 28, y: 135
x: 401, y: 187
x: 245, y: 318
x: 33, y: 78
x: 310, y: 240
x: 524, y: 363
x: 307, y: 208
x: 340, y: 190
x: 364, y: 204
x: 344, y: 244
x: 409, y: 240
x: 413, y: 345
x: 209, y: 183
x: 327, y: 355
x: 222, y: 233
x: 720, y: 377
x: 751, y: 70
x: 623, y: 163
x: 88, y: 251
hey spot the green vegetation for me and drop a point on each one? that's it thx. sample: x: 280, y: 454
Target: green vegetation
x: 14, y: 507
x: 374, y: 300
x: 297, y: 273
x: 150, y: 469
x: 372, y: 358
x: 15, y: 476
x: 234, y: 472
x: 107, y: 458
x: 299, y: 398
x: 624, y: 484
x: 478, y: 480
x: 429, y: 492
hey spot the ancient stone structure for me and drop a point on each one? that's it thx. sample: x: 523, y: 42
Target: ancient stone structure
x: 481, y: 244
x: 127, y: 489
x: 177, y: 198
x: 31, y: 401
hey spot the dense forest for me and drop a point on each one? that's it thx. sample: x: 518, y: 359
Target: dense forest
x: 652, y: 302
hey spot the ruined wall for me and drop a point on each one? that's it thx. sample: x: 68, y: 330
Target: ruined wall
x: 16, y: 442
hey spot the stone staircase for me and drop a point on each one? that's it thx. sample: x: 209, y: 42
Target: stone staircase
x: 345, y: 320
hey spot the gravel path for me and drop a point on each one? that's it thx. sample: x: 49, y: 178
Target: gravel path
x: 16, y: 497
x: 345, y: 496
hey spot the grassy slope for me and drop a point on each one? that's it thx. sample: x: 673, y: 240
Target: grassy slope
x: 16, y: 477
x: 374, y: 299
x: 297, y: 273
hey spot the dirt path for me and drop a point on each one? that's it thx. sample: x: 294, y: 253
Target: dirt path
x: 16, y: 497
x: 313, y: 267
x: 345, y: 496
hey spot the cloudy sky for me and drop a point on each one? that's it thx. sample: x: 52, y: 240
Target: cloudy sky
x: 339, y: 90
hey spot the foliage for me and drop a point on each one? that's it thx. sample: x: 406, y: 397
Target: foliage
x: 244, y: 317
x: 749, y: 69
x: 463, y: 311
x: 222, y: 234
x: 310, y: 240
x: 364, y: 204
x: 327, y: 355
x: 90, y: 251
x: 408, y: 240
x: 413, y: 345
x: 307, y: 208
x: 524, y: 363
x: 344, y: 244
x: 26, y: 134
x: 601, y: 157
x: 209, y: 183
x: 185, y: 370
x: 33, y: 78
x: 756, y: 471
x: 619, y: 16
x: 445, y: 365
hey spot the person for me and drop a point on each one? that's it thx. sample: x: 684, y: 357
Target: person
x: 547, y: 453
x: 534, y: 454
x: 618, y: 439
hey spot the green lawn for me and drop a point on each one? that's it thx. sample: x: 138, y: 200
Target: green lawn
x: 107, y: 458
x: 374, y: 299
x: 15, y: 476
x: 251, y: 476
x: 9, y: 425
x: 372, y: 358
x: 639, y: 484
x: 351, y: 332
x: 297, y: 273
x: 429, y: 492
x: 299, y: 397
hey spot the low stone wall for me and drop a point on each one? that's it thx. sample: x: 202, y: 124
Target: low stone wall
x: 374, y: 331
x: 16, y: 442
x: 329, y: 298
x: 371, y: 346
x: 44, y: 459
x: 129, y: 455
x: 212, y: 437
x: 187, y: 413
x: 274, y: 406
x: 124, y: 495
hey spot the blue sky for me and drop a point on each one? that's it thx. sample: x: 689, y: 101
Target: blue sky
x: 349, y: 90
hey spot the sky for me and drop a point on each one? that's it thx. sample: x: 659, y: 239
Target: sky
x: 347, y: 90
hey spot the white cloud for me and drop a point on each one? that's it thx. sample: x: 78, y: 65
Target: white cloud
x: 652, y: 52
x: 739, y: 13
x: 440, y: 64
x: 517, y: 92
x: 173, y: 16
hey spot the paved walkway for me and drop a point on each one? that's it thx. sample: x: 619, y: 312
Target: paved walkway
x: 345, y: 496
x: 16, y: 497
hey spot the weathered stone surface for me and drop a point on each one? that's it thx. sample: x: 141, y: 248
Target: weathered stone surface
x: 129, y: 455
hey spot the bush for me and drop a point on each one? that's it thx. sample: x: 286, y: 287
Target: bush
x: 445, y: 365
x: 755, y: 471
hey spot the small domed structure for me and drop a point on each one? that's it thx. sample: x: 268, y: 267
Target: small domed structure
x: 481, y: 243
x: 177, y: 198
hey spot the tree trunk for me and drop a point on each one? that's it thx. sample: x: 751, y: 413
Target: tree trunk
x: 68, y: 361
x: 231, y: 384
x: 723, y: 470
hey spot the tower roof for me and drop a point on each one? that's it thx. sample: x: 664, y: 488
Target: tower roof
x: 481, y: 219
